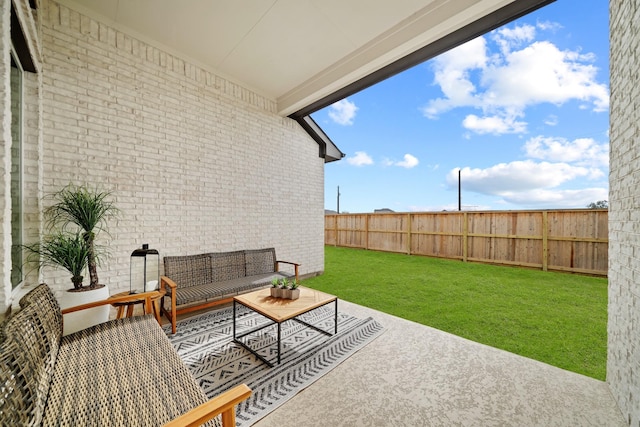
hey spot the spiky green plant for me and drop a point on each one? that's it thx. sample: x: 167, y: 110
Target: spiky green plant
x: 86, y: 208
x: 68, y: 251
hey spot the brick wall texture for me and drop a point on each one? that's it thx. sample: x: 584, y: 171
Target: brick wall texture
x: 623, y: 361
x: 195, y: 162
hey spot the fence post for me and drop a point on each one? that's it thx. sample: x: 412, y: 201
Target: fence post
x: 366, y: 231
x: 335, y: 226
x: 408, y: 234
x: 465, y: 236
x: 545, y: 241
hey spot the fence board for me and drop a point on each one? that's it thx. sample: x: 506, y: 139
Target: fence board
x: 564, y: 240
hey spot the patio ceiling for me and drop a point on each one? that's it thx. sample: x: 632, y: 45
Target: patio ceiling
x: 306, y: 54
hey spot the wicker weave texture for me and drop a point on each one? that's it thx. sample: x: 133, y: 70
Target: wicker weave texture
x: 123, y: 372
x: 28, y: 355
x: 120, y: 373
x: 260, y: 261
x: 212, y: 291
x: 192, y: 270
x: 228, y: 266
x: 212, y: 275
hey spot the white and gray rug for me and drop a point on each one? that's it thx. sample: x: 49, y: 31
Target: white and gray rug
x: 205, y: 345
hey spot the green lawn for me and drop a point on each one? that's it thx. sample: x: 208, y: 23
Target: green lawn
x: 556, y: 318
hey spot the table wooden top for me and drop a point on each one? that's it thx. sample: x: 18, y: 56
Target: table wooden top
x: 280, y: 309
x: 157, y: 295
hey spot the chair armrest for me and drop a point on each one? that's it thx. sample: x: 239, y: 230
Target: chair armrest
x: 167, y: 282
x: 295, y: 266
x: 223, y: 404
x: 147, y: 296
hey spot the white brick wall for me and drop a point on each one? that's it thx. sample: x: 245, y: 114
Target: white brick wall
x: 623, y: 361
x: 5, y: 146
x: 195, y: 162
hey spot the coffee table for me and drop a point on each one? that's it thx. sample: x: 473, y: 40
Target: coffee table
x: 279, y: 310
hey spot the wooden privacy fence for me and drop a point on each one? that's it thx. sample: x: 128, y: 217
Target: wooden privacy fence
x: 564, y: 240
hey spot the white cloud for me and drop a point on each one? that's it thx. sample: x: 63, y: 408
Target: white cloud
x: 551, y: 120
x: 503, y: 84
x: 548, y: 26
x: 360, y: 159
x: 507, y: 38
x: 557, y: 198
x: 493, y: 124
x: 343, y: 112
x: 452, y: 74
x: 409, y: 162
x: 542, y: 73
x: 582, y: 151
x: 530, y: 183
x: 518, y: 176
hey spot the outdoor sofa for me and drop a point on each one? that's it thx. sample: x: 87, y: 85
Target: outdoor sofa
x: 194, y: 282
x: 120, y: 373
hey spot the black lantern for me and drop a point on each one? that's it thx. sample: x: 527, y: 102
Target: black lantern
x: 144, y: 270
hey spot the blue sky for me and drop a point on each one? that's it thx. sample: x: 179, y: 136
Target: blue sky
x: 522, y: 111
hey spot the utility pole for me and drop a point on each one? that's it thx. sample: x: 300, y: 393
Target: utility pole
x: 338, y: 209
x: 459, y: 191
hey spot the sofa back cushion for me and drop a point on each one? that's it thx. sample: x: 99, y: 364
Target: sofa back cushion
x: 227, y: 265
x: 260, y: 261
x: 188, y: 270
x: 30, y: 344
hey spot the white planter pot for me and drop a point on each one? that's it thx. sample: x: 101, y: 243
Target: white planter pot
x: 79, y: 320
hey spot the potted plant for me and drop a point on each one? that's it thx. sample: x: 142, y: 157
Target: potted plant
x: 87, y: 209
x: 294, y: 289
x: 76, y: 216
x: 275, y: 289
x: 284, y: 288
x: 68, y: 251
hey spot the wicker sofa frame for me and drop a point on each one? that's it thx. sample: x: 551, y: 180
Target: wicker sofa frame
x: 122, y: 372
x: 195, y: 282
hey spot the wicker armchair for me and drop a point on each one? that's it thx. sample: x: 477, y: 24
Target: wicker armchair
x: 122, y: 372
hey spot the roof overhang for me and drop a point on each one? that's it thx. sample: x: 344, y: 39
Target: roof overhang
x: 475, y: 28
x: 306, y: 54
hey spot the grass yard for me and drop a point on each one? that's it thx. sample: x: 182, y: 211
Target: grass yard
x: 556, y: 318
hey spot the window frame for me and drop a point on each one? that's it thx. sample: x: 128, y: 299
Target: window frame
x: 17, y: 162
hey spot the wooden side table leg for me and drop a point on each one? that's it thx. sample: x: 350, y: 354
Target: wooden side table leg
x: 120, y: 312
x: 156, y: 311
x: 130, y: 310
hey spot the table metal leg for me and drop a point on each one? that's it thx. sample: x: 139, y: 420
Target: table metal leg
x: 336, y: 317
x: 234, y: 320
x: 279, y: 341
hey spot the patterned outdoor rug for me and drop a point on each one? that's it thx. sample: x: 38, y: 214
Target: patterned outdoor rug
x: 205, y: 345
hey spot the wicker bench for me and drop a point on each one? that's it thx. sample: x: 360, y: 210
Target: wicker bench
x: 194, y: 282
x: 122, y: 372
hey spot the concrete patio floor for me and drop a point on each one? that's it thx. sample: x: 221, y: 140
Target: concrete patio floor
x: 413, y: 375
